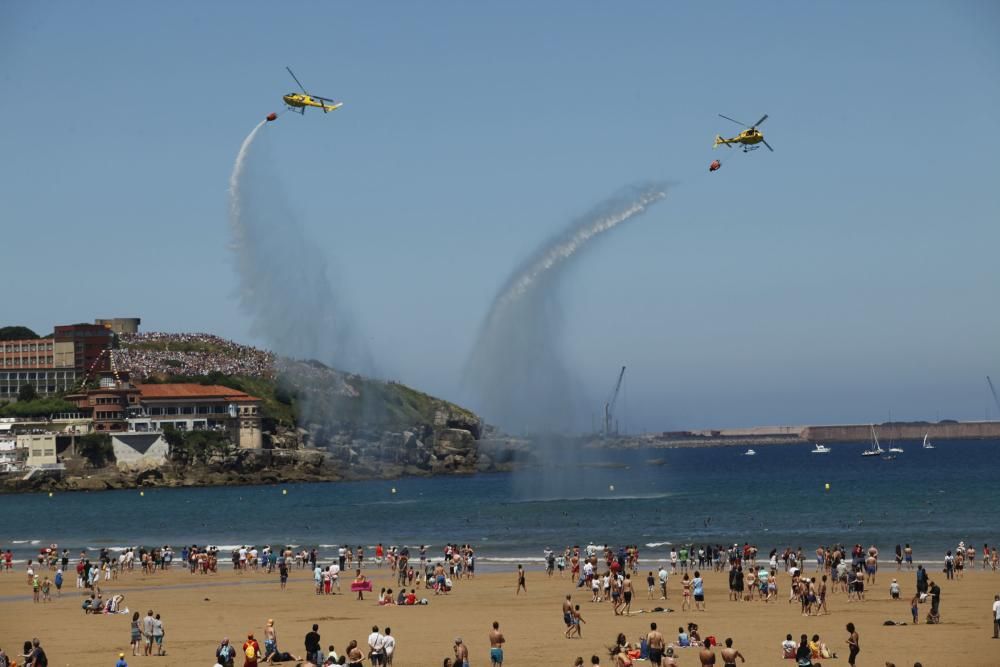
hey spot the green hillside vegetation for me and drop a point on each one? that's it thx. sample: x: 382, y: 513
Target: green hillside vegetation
x: 40, y: 407
x: 16, y: 333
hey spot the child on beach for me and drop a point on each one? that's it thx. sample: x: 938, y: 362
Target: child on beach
x: 913, y: 607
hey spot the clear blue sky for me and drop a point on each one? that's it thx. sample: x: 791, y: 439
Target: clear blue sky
x: 853, y: 272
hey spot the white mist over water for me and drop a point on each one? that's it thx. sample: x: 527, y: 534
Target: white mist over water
x: 517, y: 369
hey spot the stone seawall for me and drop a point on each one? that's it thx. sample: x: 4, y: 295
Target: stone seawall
x: 902, y: 431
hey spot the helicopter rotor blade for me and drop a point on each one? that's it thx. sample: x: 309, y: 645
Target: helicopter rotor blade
x: 762, y: 119
x: 733, y: 120
x: 768, y: 145
x: 296, y: 79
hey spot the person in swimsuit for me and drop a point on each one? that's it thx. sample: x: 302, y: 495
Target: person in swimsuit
x: 729, y: 654
x: 567, y: 610
x: 520, y: 581
x: 270, y: 641
x: 707, y: 656
x: 852, y: 644
x: 461, y: 653
x: 655, y: 644
x: 627, y: 595
x: 577, y: 620
x: 686, y: 583
x: 355, y: 657
x: 496, y: 645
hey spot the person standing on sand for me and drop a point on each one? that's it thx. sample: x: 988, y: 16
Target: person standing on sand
x: 225, y: 654
x: 698, y: 584
x: 147, y: 633
x: 251, y: 651
x: 655, y: 644
x: 270, y: 641
x: 577, y: 621
x: 707, y: 656
x: 376, y: 647
x: 686, y: 585
x: 729, y: 654
x: 313, y: 645
x: 158, y: 635
x: 461, y: 653
x: 520, y: 581
x: 996, y: 616
x: 496, y: 645
x: 853, y: 645
x: 389, y: 646
x: 935, y: 594
x: 354, y: 655
x: 567, y: 611
x: 135, y: 634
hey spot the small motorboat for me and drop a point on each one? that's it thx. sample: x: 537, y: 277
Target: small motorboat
x: 749, y: 452
x: 895, y: 450
x: 820, y: 449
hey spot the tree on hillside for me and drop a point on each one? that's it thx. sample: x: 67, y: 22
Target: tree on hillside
x: 27, y: 393
x: 96, y: 448
x: 187, y: 447
x: 40, y: 407
x: 16, y: 333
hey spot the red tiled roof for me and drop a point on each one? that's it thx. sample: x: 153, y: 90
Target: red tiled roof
x: 150, y: 391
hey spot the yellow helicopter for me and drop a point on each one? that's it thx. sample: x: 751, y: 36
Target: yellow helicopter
x: 299, y: 101
x: 748, y: 138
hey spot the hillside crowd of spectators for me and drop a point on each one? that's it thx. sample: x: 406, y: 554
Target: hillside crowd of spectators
x: 216, y: 355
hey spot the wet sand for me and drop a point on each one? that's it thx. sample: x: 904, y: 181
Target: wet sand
x: 199, y: 610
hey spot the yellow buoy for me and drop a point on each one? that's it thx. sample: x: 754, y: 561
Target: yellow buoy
x: 828, y: 486
x: 284, y: 492
x: 50, y: 494
x: 142, y: 493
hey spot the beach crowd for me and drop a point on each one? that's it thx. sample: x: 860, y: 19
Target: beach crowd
x: 609, y: 575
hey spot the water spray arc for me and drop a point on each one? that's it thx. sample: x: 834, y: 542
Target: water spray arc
x: 284, y: 282
x: 517, y: 369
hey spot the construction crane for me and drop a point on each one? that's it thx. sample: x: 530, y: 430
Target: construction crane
x: 993, y: 391
x: 609, y: 407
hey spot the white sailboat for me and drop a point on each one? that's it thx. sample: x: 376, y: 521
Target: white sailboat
x: 927, y: 445
x: 894, y: 449
x: 749, y: 452
x: 820, y: 449
x: 874, y: 449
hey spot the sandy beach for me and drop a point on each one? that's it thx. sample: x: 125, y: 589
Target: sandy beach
x: 198, y: 610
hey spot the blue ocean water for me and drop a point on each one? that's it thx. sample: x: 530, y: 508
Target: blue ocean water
x: 928, y: 498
